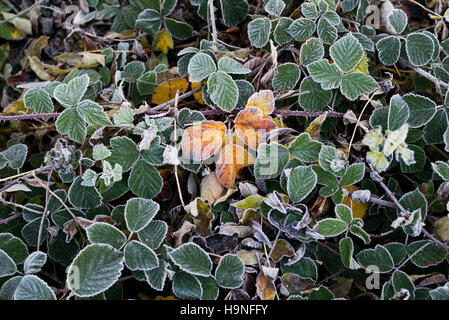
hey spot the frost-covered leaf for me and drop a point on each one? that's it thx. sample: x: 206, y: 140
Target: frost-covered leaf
x: 302, y: 29
x: 389, y: 49
x: 7, y: 265
x: 346, y: 53
x: 229, y: 272
x: 398, y: 113
x: 179, y: 30
x: 223, y: 90
x: 326, y: 74
x: 193, y: 259
x: 153, y: 234
x: 124, y: 152
x: 419, y: 47
x: 234, y: 11
x: 96, y: 268
x: 138, y: 256
x: 378, y: 259
x: 32, y: 287
x: 442, y: 169
x: 229, y: 65
x: 400, y: 280
x: 101, y: 232
x: 281, y: 35
x: 304, y: 148
x: 312, y: 50
x: 326, y: 31
x: 34, y: 262
x: 14, y: 157
x: 440, y: 293
x: 301, y: 181
x: 259, y: 32
x: 275, y: 7
x: 331, y: 227
x: 139, y: 213
x: 355, y: 84
x: 149, y: 21
x: 83, y: 197
x: 186, y: 286
x: 71, y: 122
x: 156, y: 277
x: 398, y: 20
x: 347, y: 250
x: 422, y: 109
x: 93, y: 113
x: 316, y: 98
x: 353, y: 174
x: 200, y: 67
x: 144, y: 180
x: 70, y: 94
x: 13, y: 247
x: 286, y: 77
x: 38, y: 100
x: 271, y: 160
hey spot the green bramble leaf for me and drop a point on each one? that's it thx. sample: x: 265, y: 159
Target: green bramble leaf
x: 259, y: 32
x: 286, y: 77
x: 389, y: 50
x: 34, y: 262
x: 355, y: 84
x: 70, y: 94
x: 223, y: 90
x: 275, y: 7
x: 398, y: 20
x: 149, y: 21
x: 138, y: 256
x: 302, y: 29
x: 281, y: 35
x: 139, y: 213
x: 71, y: 123
x: 346, y: 53
x: 234, y: 11
x: 96, y: 268
x: 38, y: 100
x: 191, y: 258
x: 101, y: 232
x: 353, y: 174
x: 200, y: 67
x: 312, y: 50
x: 316, y: 98
x: 419, y: 48
x: 326, y: 74
x: 32, y: 287
x: 378, y: 259
x: 229, y: 65
x: 331, y: 227
x: 398, y: 113
x: 304, y: 148
x: 229, y: 272
x: 301, y: 181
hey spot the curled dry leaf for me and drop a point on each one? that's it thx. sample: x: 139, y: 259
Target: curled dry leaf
x: 232, y: 159
x: 211, y: 188
x: 202, y: 140
x: 251, y: 125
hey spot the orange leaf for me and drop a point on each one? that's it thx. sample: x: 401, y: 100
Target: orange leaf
x: 264, y: 100
x: 232, y: 159
x: 202, y: 140
x: 166, y: 91
x: 251, y: 126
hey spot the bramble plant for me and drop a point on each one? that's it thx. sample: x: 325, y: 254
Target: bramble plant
x: 226, y: 149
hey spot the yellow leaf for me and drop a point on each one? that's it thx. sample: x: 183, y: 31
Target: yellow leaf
x: 38, y: 67
x: 358, y: 209
x: 315, y: 126
x: 199, y: 94
x: 362, y: 66
x: 24, y: 25
x: 163, y: 41
x: 166, y: 91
